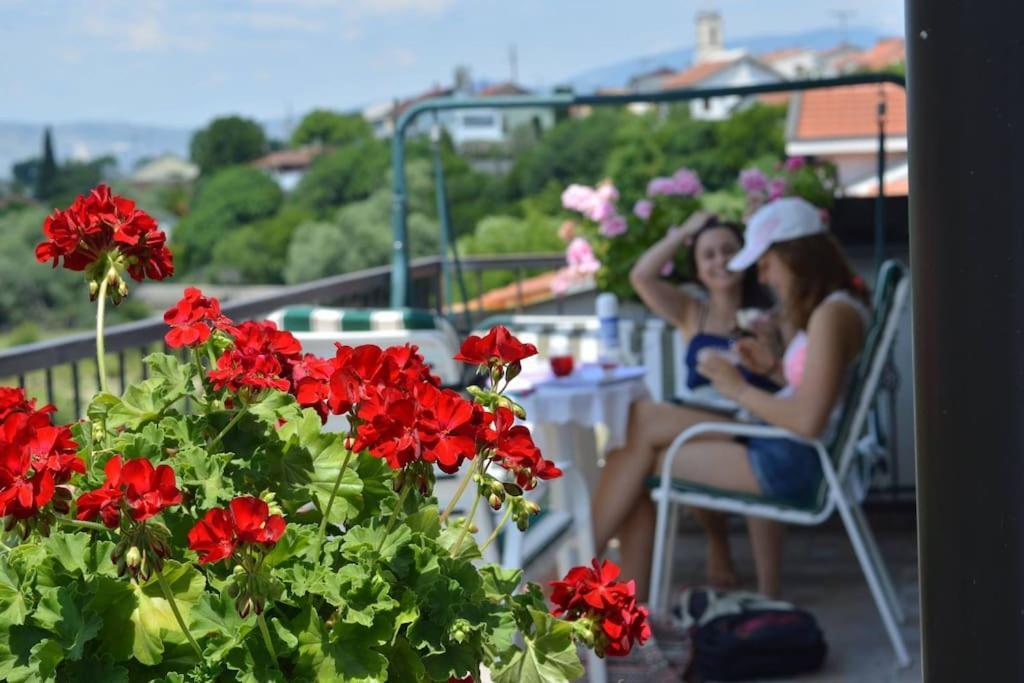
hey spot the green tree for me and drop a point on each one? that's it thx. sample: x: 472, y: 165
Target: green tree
x: 358, y: 237
x: 349, y: 174
x: 227, y: 141
x: 257, y: 253
x: 46, y: 179
x: 328, y: 127
x: 224, y: 202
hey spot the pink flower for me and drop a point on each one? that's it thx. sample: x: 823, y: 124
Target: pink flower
x: 776, y: 188
x: 687, y: 182
x: 560, y: 283
x: 613, y: 226
x: 600, y: 210
x: 660, y: 186
x: 795, y: 163
x: 580, y: 257
x: 607, y: 191
x: 577, y: 197
x: 753, y: 180
x: 642, y: 209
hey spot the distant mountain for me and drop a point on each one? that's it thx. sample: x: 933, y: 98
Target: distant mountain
x: 618, y: 75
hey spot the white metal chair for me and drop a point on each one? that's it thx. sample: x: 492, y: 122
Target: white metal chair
x: 837, y: 462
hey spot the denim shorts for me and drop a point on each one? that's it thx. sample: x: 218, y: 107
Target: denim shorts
x: 785, y: 469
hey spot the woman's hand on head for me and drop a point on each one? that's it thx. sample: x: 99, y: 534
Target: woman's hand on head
x: 755, y: 355
x: 697, y: 220
x: 725, y: 377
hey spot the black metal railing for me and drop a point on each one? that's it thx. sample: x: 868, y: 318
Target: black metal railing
x: 63, y: 371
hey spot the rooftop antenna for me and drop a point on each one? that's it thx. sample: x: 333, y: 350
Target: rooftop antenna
x: 843, y: 15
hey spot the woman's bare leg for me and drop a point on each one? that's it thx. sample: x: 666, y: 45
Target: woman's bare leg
x: 766, y: 540
x: 636, y: 543
x: 652, y: 427
x: 721, y: 572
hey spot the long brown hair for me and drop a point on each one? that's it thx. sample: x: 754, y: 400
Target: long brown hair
x: 820, y: 268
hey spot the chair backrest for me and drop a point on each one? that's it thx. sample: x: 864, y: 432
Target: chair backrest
x: 891, y: 291
x: 318, y: 328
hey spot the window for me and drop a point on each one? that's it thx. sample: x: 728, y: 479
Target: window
x: 478, y: 121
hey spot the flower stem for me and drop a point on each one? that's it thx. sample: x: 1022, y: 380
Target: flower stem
x: 459, y: 491
x: 238, y: 416
x: 327, y: 510
x: 394, y: 515
x: 468, y: 523
x: 82, y: 524
x: 101, y: 365
x: 177, y: 614
x: 266, y: 637
x: 497, y: 529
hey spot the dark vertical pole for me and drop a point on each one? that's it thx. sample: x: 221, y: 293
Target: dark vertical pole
x: 966, y: 110
x: 880, y: 199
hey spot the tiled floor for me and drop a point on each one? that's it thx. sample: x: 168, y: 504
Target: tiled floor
x: 822, y: 576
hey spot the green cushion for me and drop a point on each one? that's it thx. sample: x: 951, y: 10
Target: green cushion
x: 681, y: 486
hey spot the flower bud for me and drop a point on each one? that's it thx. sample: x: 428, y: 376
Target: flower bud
x: 134, y: 556
x: 94, y: 289
x: 122, y: 288
x: 112, y: 278
x: 494, y: 501
x: 97, y: 432
x: 237, y: 571
x: 530, y: 507
x: 233, y: 590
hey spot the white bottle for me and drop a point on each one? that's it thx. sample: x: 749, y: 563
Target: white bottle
x: 609, y: 354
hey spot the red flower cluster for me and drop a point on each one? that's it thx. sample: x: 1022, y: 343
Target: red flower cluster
x: 498, y: 345
x: 261, y: 358
x: 193, y: 319
x: 594, y: 593
x: 515, y: 451
x: 99, y: 223
x: 144, y: 489
x: 247, y: 520
x: 36, y: 457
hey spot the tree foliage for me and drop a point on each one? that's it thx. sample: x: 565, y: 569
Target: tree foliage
x: 349, y: 174
x: 226, y: 141
x: 330, y: 128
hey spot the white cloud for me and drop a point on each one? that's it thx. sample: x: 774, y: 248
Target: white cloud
x: 143, y: 28
x: 398, y: 6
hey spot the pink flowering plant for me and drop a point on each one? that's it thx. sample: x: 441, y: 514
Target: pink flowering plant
x: 812, y: 179
x: 618, y: 236
x: 203, y: 526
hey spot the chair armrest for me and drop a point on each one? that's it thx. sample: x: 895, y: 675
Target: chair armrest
x: 733, y: 428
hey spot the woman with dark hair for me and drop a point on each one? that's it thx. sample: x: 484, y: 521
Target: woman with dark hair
x: 708, y: 322
x: 824, y: 309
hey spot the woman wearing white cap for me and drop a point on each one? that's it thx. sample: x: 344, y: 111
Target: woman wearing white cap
x: 825, y: 315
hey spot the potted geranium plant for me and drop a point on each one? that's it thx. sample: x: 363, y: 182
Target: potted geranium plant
x: 240, y: 541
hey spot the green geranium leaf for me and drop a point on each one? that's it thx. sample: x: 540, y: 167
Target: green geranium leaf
x: 296, y: 539
x: 174, y: 373
x: 500, y: 582
x: 100, y: 406
x: 198, y: 469
x: 404, y: 663
x: 276, y: 406
x: 60, y: 612
x: 80, y: 553
x: 137, y: 620
x: 217, y: 626
x: 147, y: 443
x: 13, y: 604
x: 362, y: 542
x: 321, y: 658
x: 549, y: 655
x: 99, y: 668
x: 426, y: 521
x: 25, y: 652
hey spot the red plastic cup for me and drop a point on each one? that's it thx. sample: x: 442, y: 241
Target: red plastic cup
x: 561, y: 365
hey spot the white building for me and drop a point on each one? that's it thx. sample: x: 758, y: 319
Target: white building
x: 166, y: 169
x: 841, y: 125
x: 735, y: 72
x: 795, y: 63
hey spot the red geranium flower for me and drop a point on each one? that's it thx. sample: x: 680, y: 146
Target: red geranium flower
x: 262, y: 358
x: 103, y: 224
x: 145, y: 490
x: 455, y: 426
x: 498, y: 345
x: 515, y: 451
x: 593, y: 592
x: 193, y: 319
x: 247, y: 520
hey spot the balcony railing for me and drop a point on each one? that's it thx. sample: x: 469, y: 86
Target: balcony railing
x: 63, y: 371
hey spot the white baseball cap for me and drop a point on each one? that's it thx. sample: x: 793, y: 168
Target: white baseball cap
x: 786, y: 218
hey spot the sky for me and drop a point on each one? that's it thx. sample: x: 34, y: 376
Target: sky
x: 182, y: 62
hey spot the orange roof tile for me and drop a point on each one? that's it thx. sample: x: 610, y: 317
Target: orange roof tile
x: 504, y: 89
x: 289, y: 158
x: 776, y: 55
x: 695, y: 74
x: 849, y: 112
x: 774, y: 98
x: 885, y: 52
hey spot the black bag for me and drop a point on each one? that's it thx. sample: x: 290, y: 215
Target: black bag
x: 740, y: 636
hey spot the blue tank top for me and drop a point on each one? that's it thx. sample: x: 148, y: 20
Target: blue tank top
x: 702, y: 340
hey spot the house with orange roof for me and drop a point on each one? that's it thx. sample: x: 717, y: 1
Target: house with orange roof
x: 795, y: 63
x: 743, y: 70
x: 841, y: 125
x: 287, y: 166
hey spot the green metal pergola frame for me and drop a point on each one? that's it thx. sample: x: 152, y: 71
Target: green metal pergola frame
x: 399, y: 202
